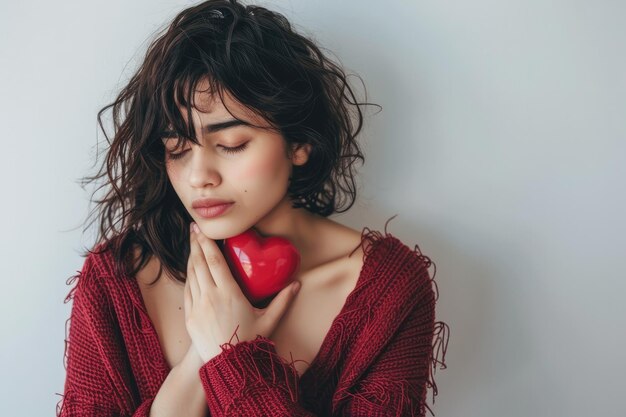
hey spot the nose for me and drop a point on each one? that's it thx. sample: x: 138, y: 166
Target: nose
x: 204, y: 169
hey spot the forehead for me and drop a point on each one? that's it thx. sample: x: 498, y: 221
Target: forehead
x: 212, y: 113
x: 208, y: 108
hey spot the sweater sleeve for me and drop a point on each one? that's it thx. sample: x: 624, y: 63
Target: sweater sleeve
x: 87, y: 389
x: 397, y: 381
x: 250, y: 379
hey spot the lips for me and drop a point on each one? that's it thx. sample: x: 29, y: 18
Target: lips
x: 213, y: 211
x: 209, y: 202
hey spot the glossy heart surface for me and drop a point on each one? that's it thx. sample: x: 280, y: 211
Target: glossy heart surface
x: 262, y: 266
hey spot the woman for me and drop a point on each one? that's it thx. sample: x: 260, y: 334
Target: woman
x: 232, y: 107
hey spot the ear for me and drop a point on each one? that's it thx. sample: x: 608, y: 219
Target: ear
x: 300, y: 153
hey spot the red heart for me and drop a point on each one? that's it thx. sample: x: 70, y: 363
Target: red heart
x: 262, y: 266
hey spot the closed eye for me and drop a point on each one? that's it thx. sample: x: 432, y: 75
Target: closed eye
x: 235, y: 149
x: 230, y: 150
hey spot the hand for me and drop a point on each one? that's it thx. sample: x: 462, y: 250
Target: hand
x: 215, y: 306
x: 192, y: 359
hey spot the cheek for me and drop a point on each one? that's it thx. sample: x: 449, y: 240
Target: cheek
x: 173, y: 172
x: 260, y: 170
x: 251, y: 171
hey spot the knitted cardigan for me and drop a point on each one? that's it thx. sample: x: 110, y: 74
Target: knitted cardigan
x: 374, y: 361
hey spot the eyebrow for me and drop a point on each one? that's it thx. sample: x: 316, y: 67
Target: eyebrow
x: 210, y: 128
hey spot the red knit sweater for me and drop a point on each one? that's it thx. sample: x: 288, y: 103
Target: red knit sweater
x: 374, y: 361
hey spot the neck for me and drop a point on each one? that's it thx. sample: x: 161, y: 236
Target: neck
x: 295, y: 224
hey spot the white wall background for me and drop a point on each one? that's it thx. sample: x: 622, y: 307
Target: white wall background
x: 501, y: 146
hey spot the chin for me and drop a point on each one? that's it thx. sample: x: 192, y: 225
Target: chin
x: 220, y: 233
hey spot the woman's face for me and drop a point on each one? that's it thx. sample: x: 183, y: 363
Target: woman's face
x: 254, y: 175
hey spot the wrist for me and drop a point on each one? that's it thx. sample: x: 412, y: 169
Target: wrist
x: 194, y: 358
x: 192, y: 361
x: 209, y: 354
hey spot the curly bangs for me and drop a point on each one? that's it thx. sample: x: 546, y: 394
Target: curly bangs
x: 255, y: 56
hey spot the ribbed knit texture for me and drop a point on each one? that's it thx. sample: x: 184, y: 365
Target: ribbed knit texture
x: 377, y: 359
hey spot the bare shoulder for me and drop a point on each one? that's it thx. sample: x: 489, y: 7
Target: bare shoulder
x: 337, y: 238
x: 340, y: 253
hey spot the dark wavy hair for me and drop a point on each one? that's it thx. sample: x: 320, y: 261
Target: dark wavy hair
x: 256, y: 56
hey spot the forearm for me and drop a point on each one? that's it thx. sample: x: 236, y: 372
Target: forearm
x: 182, y: 393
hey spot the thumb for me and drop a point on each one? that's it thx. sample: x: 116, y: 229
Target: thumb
x: 278, y: 306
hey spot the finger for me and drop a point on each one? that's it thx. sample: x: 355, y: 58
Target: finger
x: 188, y: 300
x: 203, y: 274
x: 194, y: 290
x: 277, y: 308
x: 214, y: 259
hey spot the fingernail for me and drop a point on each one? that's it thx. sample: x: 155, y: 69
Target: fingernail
x: 296, y: 287
x: 194, y: 227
